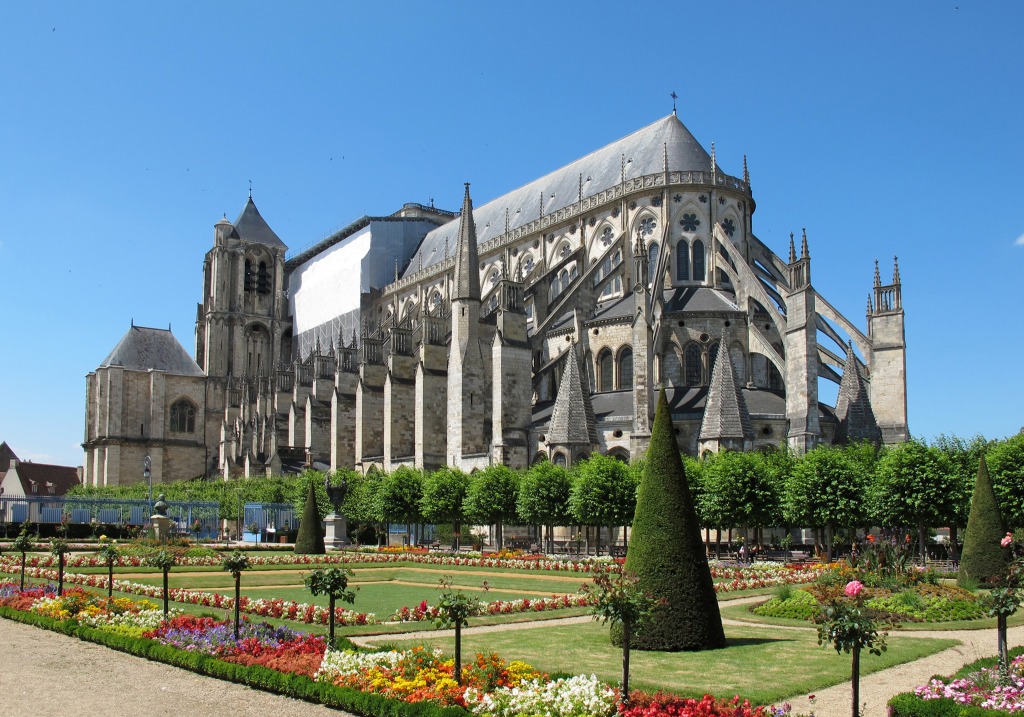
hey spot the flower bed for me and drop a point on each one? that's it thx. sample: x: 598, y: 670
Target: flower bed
x: 984, y: 688
x: 668, y: 705
x: 921, y: 603
x: 423, y: 611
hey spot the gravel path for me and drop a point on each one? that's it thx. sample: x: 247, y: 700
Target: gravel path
x: 127, y: 686
x: 46, y: 674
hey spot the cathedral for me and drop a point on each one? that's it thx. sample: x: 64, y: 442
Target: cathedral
x: 540, y: 324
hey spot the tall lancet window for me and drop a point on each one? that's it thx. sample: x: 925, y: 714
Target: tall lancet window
x: 698, y: 261
x: 652, y: 260
x: 682, y: 262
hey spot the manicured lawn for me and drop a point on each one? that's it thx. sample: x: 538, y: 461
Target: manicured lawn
x: 764, y: 665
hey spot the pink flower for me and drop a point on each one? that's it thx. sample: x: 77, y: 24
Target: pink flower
x: 1005, y: 542
x: 853, y: 588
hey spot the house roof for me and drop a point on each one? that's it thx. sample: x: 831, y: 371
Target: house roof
x: 42, y: 475
x: 646, y: 151
x: 253, y: 228
x: 6, y: 456
x: 143, y: 349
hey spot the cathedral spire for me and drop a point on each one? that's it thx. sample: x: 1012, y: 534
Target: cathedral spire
x: 746, y: 172
x: 792, y: 249
x: 878, y: 277
x: 853, y: 407
x: 726, y: 421
x: 572, y: 422
x: 895, y: 270
x: 467, y: 269
x: 804, y: 254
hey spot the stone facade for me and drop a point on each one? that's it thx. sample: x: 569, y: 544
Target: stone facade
x: 639, y: 260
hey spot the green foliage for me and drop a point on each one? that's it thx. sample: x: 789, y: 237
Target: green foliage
x: 845, y: 625
x: 162, y: 559
x: 108, y: 554
x: 23, y: 543
x: 59, y: 546
x: 310, y: 539
x: 332, y: 582
x: 826, y: 488
x: 399, y: 496
x: 1006, y: 461
x: 798, y: 605
x: 916, y: 486
x: 491, y: 495
x: 444, y: 492
x: 738, y: 490
x: 603, y: 492
x: 983, y: 559
x: 454, y: 607
x: 235, y: 562
x: 666, y: 552
x: 621, y: 600
x: 543, y: 497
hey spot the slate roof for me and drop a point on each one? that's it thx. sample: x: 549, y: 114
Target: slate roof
x: 251, y: 227
x: 43, y: 475
x: 600, y: 170
x: 572, y: 417
x: 698, y: 298
x: 142, y: 349
x: 6, y: 456
x: 853, y: 407
x: 725, y: 412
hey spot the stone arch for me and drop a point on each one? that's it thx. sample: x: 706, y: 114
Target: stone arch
x: 619, y: 454
x: 183, y: 416
x: 624, y: 368
x: 538, y: 457
x: 692, y: 364
x: 605, y: 370
x: 258, y: 357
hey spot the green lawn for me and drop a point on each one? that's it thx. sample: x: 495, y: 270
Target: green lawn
x: 762, y: 664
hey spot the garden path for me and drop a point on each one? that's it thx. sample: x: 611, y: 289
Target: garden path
x: 46, y: 674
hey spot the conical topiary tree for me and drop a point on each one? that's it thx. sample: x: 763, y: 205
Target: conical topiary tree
x: 984, y: 559
x: 666, y: 552
x: 310, y: 540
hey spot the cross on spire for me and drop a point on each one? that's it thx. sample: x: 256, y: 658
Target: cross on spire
x: 674, y: 97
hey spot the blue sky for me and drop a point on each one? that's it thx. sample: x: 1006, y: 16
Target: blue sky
x: 128, y: 129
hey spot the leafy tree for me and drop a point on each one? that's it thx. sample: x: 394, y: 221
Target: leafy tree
x: 454, y: 608
x: 444, y: 492
x: 666, y: 552
x: 399, y: 497
x: 849, y: 628
x: 59, y: 548
x: 963, y: 457
x: 543, y: 498
x: 332, y: 582
x: 916, y: 486
x: 235, y: 563
x: 622, y: 602
x: 109, y: 554
x: 164, y: 560
x: 23, y: 544
x: 491, y: 498
x: 310, y: 539
x: 739, y: 492
x: 1006, y: 461
x: 826, y: 489
x: 603, y: 494
x: 984, y: 559
x: 361, y: 502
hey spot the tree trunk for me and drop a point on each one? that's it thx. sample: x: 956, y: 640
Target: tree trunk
x: 627, y: 628
x: 718, y: 543
x: 110, y: 580
x: 456, y: 537
x: 330, y: 619
x: 855, y: 680
x: 458, y: 652
x: 24, y: 557
x: 1001, y: 645
x: 829, y: 537
x: 238, y: 599
x: 924, y: 545
x: 60, y: 574
x: 166, y: 597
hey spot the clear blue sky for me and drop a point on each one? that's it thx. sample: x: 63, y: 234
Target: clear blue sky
x: 128, y: 129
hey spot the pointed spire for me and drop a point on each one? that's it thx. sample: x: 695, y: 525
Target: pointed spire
x: 804, y: 254
x: 878, y: 278
x: 870, y: 307
x: 853, y: 407
x: 792, y: 249
x: 746, y: 172
x: 467, y: 265
x: 725, y: 411
x: 714, y: 162
x: 355, y: 339
x: 896, y: 270
x: 572, y: 416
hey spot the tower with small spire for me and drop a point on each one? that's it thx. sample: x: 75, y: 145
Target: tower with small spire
x: 801, y: 351
x: 510, y: 361
x: 469, y: 415
x: 888, y: 358
x: 572, y: 433
x: 726, y: 422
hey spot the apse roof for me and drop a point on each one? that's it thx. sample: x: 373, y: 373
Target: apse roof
x: 253, y: 228
x: 643, y: 152
x: 142, y: 349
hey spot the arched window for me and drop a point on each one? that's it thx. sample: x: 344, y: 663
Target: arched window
x: 605, y: 371
x: 671, y: 371
x: 263, y: 279
x: 250, y: 277
x: 698, y: 261
x: 652, y: 260
x: 559, y: 459
x: 626, y: 369
x: 682, y: 262
x: 693, y: 364
x: 183, y: 417
x: 774, y: 378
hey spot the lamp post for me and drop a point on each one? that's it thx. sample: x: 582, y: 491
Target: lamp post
x: 147, y: 473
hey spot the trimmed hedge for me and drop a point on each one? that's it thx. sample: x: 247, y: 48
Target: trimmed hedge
x: 310, y: 540
x: 256, y: 676
x: 984, y: 560
x: 907, y: 704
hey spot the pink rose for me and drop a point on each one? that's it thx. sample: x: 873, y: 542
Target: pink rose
x: 1005, y: 542
x: 853, y: 588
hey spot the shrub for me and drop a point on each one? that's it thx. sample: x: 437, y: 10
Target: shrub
x: 983, y: 559
x: 800, y: 605
x: 310, y: 540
